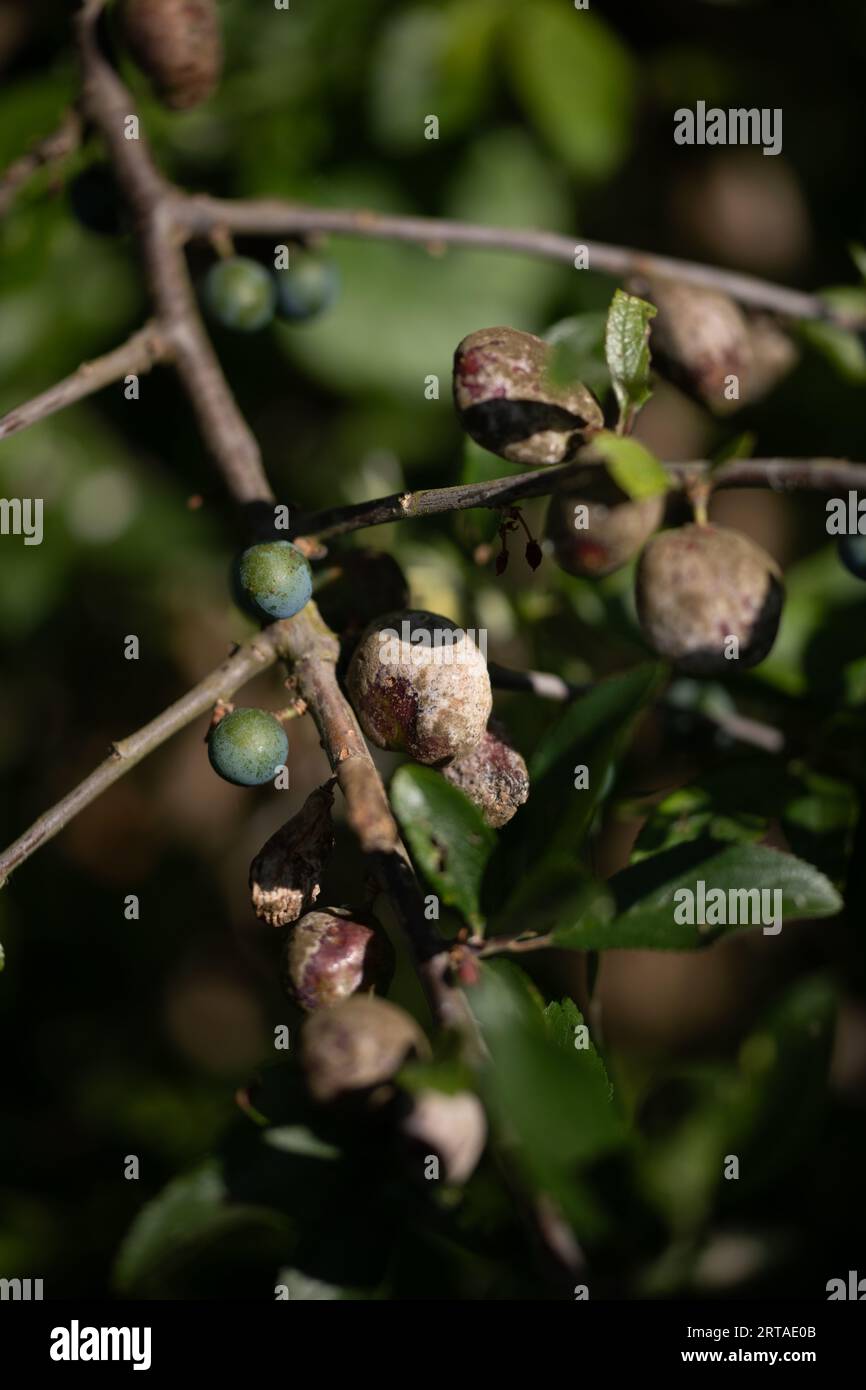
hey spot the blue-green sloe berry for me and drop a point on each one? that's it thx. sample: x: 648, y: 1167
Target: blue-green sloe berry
x: 307, y: 288
x: 852, y: 553
x: 247, y: 746
x: 274, y: 579
x: 240, y: 294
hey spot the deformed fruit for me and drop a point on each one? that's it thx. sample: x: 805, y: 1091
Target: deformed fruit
x: 356, y: 1045
x: 509, y: 404
x: 286, y: 874
x: 493, y: 775
x: 247, y: 746
x: 700, y: 587
x: 420, y: 685
x: 453, y: 1128
x: 333, y: 954
x: 274, y: 579
x: 596, y: 528
x: 178, y: 45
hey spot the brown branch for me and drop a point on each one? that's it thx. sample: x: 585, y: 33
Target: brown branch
x: 253, y: 656
x: 136, y: 356
x: 52, y: 149
x: 201, y: 214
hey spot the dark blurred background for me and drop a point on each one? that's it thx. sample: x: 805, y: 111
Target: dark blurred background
x: 130, y: 1036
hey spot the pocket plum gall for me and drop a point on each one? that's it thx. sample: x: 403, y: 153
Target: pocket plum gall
x: 333, y: 954
x: 596, y: 528
x: 700, y: 586
x: 285, y: 876
x: 508, y: 404
x: 247, y: 746
x: 274, y: 579
x: 419, y: 685
x: 359, y: 1043
x: 493, y: 776
x: 453, y: 1127
x: 307, y: 288
x: 240, y: 294
x: 178, y: 45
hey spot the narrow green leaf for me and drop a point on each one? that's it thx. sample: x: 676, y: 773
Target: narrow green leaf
x: 858, y: 255
x: 569, y: 1031
x: 631, y: 465
x: 449, y: 840
x: 627, y: 351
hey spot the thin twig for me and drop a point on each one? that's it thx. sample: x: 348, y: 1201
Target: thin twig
x: 51, y: 149
x: 199, y: 214
x: 134, y: 357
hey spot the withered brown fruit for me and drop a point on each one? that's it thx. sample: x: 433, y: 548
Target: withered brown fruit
x: 285, y: 875
x: 178, y: 45
x: 493, y: 775
x: 595, y: 527
x: 508, y: 403
x: 700, y: 586
x: 332, y: 954
x: 356, y: 1045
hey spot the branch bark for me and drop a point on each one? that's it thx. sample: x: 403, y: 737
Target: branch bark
x: 52, y: 149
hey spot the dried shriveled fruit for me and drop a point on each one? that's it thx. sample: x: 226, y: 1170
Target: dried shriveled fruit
x: 333, y: 954
x: 357, y: 1044
x: 453, y: 1128
x: 701, y: 586
x: 285, y: 876
x: 493, y: 775
x: 508, y: 403
x: 420, y: 685
x: 178, y: 45
x: 596, y: 528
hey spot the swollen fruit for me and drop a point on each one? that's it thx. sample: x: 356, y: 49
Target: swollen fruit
x: 274, y: 579
x: 247, y: 746
x: 240, y: 294
x: 177, y: 44
x: 419, y: 685
x: 509, y: 403
x: 493, y: 776
x: 852, y: 553
x: 451, y: 1127
x: 596, y: 528
x: 307, y: 288
x: 333, y: 954
x: 707, y: 597
x: 286, y: 874
x: 356, y: 1045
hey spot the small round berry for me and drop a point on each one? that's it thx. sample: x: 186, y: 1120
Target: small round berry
x: 240, y: 294
x: 274, y: 579
x: 494, y: 776
x: 333, y: 954
x: 247, y: 746
x: 700, y: 586
x: 359, y: 1043
x: 420, y: 685
x: 307, y: 288
x: 596, y: 528
x: 96, y: 200
x: 852, y: 553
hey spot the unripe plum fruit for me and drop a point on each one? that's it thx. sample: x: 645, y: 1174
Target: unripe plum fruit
x: 419, y: 685
x: 852, y: 553
x: 247, y: 746
x: 307, y: 288
x: 359, y: 1043
x: 508, y: 404
x: 494, y: 777
x: 611, y: 531
x: 240, y: 294
x: 699, y: 586
x: 274, y: 579
x: 333, y: 954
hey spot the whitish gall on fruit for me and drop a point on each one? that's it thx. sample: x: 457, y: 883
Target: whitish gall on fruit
x: 333, y: 954
x: 285, y: 876
x: 493, y: 776
x: 508, y: 403
x: 357, y: 1044
x: 596, y: 528
x: 451, y: 1127
x: 419, y: 685
x: 177, y: 44
x: 708, y: 599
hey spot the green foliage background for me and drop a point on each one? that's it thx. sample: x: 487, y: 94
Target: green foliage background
x: 129, y: 1037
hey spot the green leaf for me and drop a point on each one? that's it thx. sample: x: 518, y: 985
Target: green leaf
x: 568, y: 1030
x: 554, y: 897
x: 303, y: 1287
x: 298, y: 1139
x: 576, y: 81
x: 648, y: 907
x: 631, y: 465
x: 578, y: 354
x: 592, y: 734
x: 858, y: 255
x: 842, y: 348
x: 627, y: 350
x: 449, y: 839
